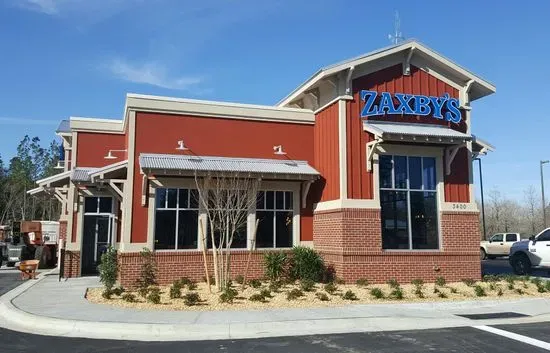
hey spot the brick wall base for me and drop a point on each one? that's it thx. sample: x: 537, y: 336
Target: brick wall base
x: 71, y: 265
x: 351, y: 241
x: 175, y: 265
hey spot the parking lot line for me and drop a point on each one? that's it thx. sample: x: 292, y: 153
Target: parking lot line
x: 515, y: 336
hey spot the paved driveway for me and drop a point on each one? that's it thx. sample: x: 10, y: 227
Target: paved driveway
x: 8, y: 281
x: 464, y: 339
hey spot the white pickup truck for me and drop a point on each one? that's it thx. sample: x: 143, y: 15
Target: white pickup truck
x: 498, y: 245
x: 531, y: 253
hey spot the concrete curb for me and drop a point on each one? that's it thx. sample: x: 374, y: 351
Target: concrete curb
x: 17, y: 319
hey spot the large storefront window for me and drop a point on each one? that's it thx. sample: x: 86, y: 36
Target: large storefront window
x: 234, y: 217
x: 176, y: 219
x: 274, y: 210
x: 408, y: 200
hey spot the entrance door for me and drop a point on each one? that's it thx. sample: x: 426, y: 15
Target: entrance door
x: 97, y: 232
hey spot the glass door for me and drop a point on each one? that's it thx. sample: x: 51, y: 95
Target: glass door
x: 97, y: 232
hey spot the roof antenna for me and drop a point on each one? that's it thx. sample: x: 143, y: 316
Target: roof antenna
x: 397, y: 36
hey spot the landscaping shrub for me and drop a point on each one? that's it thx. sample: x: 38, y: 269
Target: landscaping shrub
x: 128, y: 297
x: 175, y: 290
x: 510, y: 278
x: 239, y: 279
x: 397, y: 293
x: 500, y: 293
x: 541, y: 288
x: 338, y: 280
x: 349, y: 295
x: 547, y: 286
x: 331, y: 288
x: 536, y: 281
x: 255, y: 283
x: 453, y: 290
x: 510, y: 286
x: 363, y: 282
x: 417, y: 282
x: 154, y: 295
x: 118, y: 290
x: 106, y: 294
x: 492, y: 278
x: 192, y: 286
x: 322, y: 297
x: 184, y: 281
x: 148, y: 272
x: 519, y: 291
x: 275, y: 286
x: 393, y: 283
x: 377, y: 293
x: 440, y: 281
x: 306, y: 263
x: 442, y: 295
x: 258, y: 297
x: 108, y: 269
x: 266, y: 293
x: 275, y: 263
x: 525, y: 284
x: 191, y: 299
x: 468, y: 281
x: 294, y: 294
x: 307, y: 285
x: 228, y: 295
x: 480, y: 291
x: 492, y: 286
x: 329, y: 274
x: 419, y: 285
x: 436, y: 290
x: 143, y: 291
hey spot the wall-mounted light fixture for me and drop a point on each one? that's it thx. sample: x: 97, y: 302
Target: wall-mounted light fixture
x: 110, y: 154
x: 182, y: 146
x: 278, y: 150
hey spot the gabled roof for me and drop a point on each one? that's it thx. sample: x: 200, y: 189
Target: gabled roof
x: 481, y: 86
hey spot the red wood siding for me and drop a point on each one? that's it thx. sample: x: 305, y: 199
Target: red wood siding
x: 159, y: 133
x: 326, y: 150
x: 93, y: 147
x: 391, y: 79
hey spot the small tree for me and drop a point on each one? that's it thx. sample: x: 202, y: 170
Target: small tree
x: 227, y: 198
x: 108, y: 269
x: 148, y: 274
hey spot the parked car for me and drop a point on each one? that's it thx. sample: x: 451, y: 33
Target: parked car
x: 531, y: 253
x: 498, y: 245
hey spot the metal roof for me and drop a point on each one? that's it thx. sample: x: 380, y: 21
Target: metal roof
x: 64, y: 126
x: 172, y: 162
x: 391, y: 130
x: 82, y: 173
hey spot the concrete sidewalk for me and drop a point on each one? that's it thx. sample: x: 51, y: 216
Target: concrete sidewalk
x: 49, y: 307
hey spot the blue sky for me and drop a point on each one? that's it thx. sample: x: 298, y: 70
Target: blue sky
x: 80, y: 57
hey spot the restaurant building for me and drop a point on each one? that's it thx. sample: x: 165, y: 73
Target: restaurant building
x: 369, y: 161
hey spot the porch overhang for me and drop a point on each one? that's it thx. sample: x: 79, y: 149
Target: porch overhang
x: 58, y: 180
x: 111, y: 171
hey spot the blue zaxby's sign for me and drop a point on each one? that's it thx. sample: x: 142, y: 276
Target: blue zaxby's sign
x: 443, y: 107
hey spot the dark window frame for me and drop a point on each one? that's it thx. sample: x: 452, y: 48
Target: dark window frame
x: 275, y: 210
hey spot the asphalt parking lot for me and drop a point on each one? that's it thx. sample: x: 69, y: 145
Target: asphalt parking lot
x: 502, y: 266
x: 9, y: 279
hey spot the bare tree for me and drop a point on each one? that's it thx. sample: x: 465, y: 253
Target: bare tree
x: 227, y: 199
x: 532, y: 209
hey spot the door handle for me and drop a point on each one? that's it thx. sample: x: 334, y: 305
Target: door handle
x: 547, y: 244
x: 501, y: 243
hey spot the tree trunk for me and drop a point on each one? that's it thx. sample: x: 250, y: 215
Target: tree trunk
x: 253, y: 247
x: 215, y: 258
x: 203, y: 241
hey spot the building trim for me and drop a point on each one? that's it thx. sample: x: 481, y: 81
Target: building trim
x: 128, y: 198
x: 342, y: 158
x: 97, y: 125
x: 343, y: 97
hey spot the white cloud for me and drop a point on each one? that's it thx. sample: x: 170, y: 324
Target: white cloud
x: 49, y: 7
x: 23, y: 121
x: 153, y: 74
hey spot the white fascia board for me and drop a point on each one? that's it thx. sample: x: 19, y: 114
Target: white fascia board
x: 487, y: 87
x: 96, y: 125
x: 205, y: 108
x: 108, y: 169
x: 36, y: 191
x: 52, y: 178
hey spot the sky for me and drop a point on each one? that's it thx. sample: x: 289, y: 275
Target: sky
x: 61, y: 58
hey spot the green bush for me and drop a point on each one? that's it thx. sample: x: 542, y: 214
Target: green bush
x: 255, y: 283
x: 331, y: 288
x: 191, y: 299
x: 106, y: 294
x: 397, y: 293
x: 294, y: 294
x: 377, y: 293
x: 275, y: 286
x: 392, y: 282
x: 306, y: 263
x: 417, y: 282
x: 492, y: 286
x: 148, y: 272
x: 118, y: 290
x: 192, y: 286
x: 275, y: 263
x: 153, y: 297
x: 547, y: 285
x: 363, y: 282
x: 128, y: 297
x: 468, y: 281
x: 480, y: 291
x: 541, y: 288
x: 228, y: 295
x: 322, y: 296
x: 453, y: 290
x: 511, y: 279
x: 440, y: 281
x: 307, y: 285
x: 184, y: 281
x: 339, y: 280
x: 239, y: 279
x: 108, y: 268
x: 418, y: 292
x: 175, y: 291
x: 143, y: 291
x: 266, y: 293
x: 349, y: 295
x: 258, y: 297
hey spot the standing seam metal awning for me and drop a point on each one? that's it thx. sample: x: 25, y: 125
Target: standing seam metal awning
x: 177, y: 163
x: 422, y: 132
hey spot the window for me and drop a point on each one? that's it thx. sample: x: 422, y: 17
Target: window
x: 408, y: 200
x: 98, y: 205
x: 238, y: 217
x: 545, y: 236
x: 497, y: 237
x: 274, y: 210
x: 511, y: 238
x: 176, y: 219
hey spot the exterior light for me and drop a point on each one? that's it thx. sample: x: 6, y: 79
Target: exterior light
x: 110, y: 154
x: 181, y: 146
x: 279, y: 150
